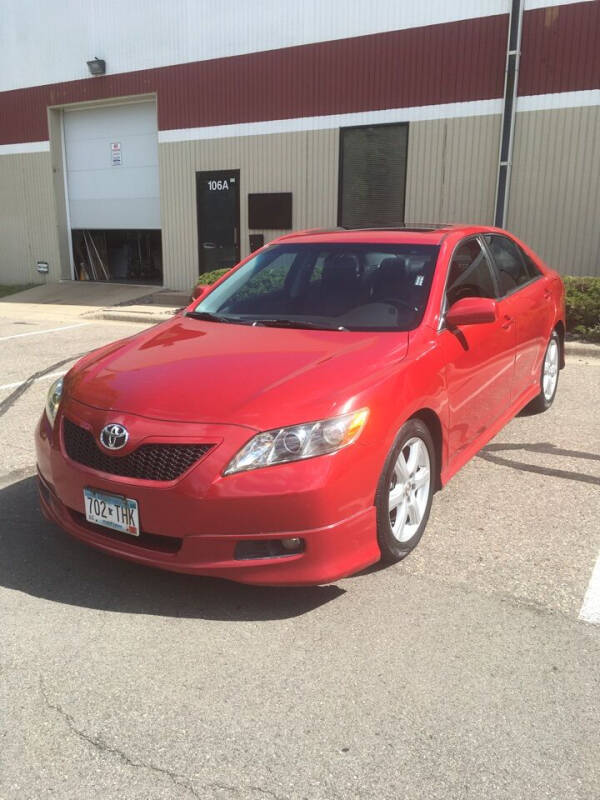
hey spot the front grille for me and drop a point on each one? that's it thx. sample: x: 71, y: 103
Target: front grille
x: 150, y: 462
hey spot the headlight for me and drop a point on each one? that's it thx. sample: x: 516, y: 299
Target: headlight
x: 53, y: 400
x: 299, y: 441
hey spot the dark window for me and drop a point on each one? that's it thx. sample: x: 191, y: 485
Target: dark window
x: 470, y: 274
x: 257, y: 240
x: 510, y: 267
x: 373, y: 175
x: 330, y: 285
x: 271, y: 211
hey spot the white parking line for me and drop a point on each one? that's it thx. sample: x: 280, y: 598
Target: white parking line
x: 590, y: 610
x: 42, y: 378
x: 48, y: 330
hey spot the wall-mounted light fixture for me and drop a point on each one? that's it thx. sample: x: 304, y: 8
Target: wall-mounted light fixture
x: 97, y: 66
x: 43, y: 267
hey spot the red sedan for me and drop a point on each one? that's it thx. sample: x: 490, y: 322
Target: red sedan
x: 293, y: 423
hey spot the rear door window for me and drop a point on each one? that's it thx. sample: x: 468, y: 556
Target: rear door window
x: 510, y: 266
x: 530, y: 265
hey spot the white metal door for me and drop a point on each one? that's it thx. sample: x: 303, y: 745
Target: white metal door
x: 112, y: 167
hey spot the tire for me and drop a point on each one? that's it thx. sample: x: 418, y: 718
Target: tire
x: 548, y: 376
x: 402, y: 515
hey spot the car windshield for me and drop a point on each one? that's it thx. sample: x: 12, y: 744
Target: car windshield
x: 359, y: 287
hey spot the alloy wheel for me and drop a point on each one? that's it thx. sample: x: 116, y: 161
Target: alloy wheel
x: 550, y: 373
x: 409, y: 489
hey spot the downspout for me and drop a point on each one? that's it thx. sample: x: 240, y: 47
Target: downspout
x: 511, y: 79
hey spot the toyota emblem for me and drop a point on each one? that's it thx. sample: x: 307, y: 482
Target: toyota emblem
x: 113, y: 436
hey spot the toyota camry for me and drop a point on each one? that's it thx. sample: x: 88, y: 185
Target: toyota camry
x: 292, y: 425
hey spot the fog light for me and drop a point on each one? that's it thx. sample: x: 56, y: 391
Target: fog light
x: 295, y: 543
x: 268, y: 548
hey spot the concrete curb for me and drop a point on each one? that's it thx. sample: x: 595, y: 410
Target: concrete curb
x: 150, y: 317
x: 582, y: 349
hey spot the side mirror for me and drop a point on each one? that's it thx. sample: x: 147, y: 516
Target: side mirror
x: 471, y: 311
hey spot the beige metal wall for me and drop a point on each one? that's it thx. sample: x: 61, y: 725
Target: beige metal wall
x: 304, y: 163
x: 452, y: 165
x: 554, y: 200
x: 27, y: 218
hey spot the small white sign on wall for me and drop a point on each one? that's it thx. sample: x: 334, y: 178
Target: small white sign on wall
x: 115, y: 154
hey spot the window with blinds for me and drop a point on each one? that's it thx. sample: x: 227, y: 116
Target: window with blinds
x: 373, y: 175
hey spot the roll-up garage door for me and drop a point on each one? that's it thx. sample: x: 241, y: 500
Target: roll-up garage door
x: 112, y: 167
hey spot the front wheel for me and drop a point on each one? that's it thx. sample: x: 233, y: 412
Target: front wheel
x: 549, y: 376
x: 405, y: 491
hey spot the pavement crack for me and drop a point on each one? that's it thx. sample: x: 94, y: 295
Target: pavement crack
x: 97, y: 743
x: 12, y: 398
x: 225, y: 787
x: 267, y: 792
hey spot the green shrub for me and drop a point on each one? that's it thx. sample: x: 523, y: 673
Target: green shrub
x: 582, y: 301
x: 211, y: 277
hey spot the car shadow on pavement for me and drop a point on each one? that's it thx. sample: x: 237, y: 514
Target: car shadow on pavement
x: 491, y: 451
x: 37, y: 558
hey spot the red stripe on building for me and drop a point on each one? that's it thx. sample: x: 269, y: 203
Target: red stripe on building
x: 560, y: 49
x: 452, y: 62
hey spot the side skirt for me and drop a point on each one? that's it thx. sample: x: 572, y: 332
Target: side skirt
x: 468, y: 453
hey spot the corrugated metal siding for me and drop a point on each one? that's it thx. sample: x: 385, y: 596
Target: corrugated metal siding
x: 304, y: 163
x: 560, y: 49
x: 27, y: 218
x: 555, y: 188
x: 452, y: 170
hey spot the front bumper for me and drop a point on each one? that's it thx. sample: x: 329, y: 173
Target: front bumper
x: 195, y: 523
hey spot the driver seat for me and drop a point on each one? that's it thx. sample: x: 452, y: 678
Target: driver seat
x: 340, y: 284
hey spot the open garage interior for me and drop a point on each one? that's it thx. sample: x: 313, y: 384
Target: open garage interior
x: 116, y: 256
x: 112, y: 187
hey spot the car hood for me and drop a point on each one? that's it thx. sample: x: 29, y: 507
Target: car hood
x: 196, y: 371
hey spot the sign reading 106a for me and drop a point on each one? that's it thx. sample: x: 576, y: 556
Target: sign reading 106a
x: 219, y: 186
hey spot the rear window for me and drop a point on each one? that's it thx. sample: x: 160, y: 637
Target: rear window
x: 332, y: 286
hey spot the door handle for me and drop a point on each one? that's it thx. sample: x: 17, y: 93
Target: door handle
x: 547, y: 294
x: 508, y: 321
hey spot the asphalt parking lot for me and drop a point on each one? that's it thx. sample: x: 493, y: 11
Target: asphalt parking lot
x: 467, y: 671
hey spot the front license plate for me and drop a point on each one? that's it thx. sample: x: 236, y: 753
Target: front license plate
x: 112, y: 510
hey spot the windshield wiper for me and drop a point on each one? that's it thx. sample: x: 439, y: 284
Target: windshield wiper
x: 297, y: 323
x: 207, y: 315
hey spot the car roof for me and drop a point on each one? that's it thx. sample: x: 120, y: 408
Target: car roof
x: 424, y: 233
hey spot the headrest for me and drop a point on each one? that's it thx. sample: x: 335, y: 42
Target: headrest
x: 340, y: 267
x: 390, y: 277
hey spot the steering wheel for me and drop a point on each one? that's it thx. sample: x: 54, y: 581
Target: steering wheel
x: 459, y: 292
